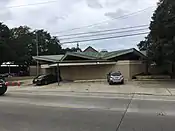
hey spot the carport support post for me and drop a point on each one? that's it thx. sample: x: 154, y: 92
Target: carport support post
x: 58, y: 74
x: 9, y: 69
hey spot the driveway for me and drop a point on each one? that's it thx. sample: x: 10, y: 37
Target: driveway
x: 163, y: 88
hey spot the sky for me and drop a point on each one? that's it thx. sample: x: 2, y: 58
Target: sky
x: 58, y: 16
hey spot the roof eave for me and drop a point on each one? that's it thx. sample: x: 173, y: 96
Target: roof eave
x: 123, y: 53
x: 77, y: 55
x: 139, y: 53
x: 126, y: 52
x: 44, y: 59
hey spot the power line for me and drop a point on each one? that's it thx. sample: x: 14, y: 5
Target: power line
x: 104, y: 38
x: 99, y: 23
x: 33, y: 4
x: 92, y: 32
x: 53, y: 1
x: 101, y: 34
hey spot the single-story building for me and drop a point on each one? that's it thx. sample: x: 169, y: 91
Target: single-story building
x: 91, y: 64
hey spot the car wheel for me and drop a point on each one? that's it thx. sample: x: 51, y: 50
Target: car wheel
x: 110, y: 82
x: 3, y: 90
x: 122, y: 82
x: 45, y: 82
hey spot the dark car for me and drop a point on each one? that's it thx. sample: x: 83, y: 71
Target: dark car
x: 115, y: 77
x: 4, y: 75
x: 45, y: 79
x: 3, y: 87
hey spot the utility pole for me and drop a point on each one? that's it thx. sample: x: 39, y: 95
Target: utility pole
x: 58, y: 74
x: 78, y: 47
x: 37, y: 53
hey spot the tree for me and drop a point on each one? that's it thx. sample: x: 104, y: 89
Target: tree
x: 6, y: 53
x: 73, y: 49
x: 24, y: 43
x: 47, y: 45
x: 19, y: 44
x: 160, y: 42
x: 143, y: 45
x: 21, y: 41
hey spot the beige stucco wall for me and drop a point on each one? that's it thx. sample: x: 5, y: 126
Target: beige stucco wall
x: 123, y: 67
x: 136, y: 67
x: 49, y: 71
x: 85, y: 72
x: 90, y: 72
x: 33, y: 70
x: 96, y: 71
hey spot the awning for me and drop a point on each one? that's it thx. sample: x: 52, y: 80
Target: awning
x: 78, y: 64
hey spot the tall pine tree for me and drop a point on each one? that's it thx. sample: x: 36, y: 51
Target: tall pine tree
x: 160, y: 42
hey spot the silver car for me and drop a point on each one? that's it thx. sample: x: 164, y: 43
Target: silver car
x: 115, y: 77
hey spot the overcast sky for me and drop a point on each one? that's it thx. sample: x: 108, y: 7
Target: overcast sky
x: 60, y: 15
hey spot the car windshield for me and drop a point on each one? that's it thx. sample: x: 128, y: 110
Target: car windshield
x: 116, y: 74
x: 41, y: 76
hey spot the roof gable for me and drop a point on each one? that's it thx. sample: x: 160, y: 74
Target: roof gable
x: 90, y: 49
x: 114, y: 54
x: 78, y: 55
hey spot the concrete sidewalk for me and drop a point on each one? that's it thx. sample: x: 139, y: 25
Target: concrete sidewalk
x: 158, y: 89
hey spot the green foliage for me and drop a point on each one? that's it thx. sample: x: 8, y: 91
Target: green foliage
x: 6, y: 53
x: 160, y: 43
x: 73, y: 49
x: 20, y: 44
x: 21, y: 40
x: 47, y: 45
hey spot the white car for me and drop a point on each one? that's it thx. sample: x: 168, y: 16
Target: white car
x: 115, y: 77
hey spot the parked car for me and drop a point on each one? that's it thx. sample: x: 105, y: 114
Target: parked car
x: 3, y: 87
x: 115, y: 77
x: 4, y: 75
x: 45, y: 79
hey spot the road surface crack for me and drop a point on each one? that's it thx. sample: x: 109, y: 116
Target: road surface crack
x: 126, y: 110
x: 169, y: 91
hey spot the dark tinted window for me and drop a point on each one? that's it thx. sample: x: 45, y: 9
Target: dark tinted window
x: 41, y: 76
x: 116, y: 74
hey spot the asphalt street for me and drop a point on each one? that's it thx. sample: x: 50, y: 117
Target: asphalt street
x: 30, y: 111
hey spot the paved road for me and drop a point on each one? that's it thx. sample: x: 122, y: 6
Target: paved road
x: 25, y: 111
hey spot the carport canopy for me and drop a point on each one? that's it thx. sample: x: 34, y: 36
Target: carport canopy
x: 77, y: 64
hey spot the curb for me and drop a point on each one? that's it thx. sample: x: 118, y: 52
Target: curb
x: 86, y: 81
x: 154, y: 80
x: 132, y: 93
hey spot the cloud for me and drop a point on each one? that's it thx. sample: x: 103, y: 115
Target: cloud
x: 5, y: 14
x: 115, y: 14
x: 66, y: 14
x: 94, y: 4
